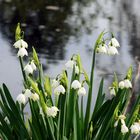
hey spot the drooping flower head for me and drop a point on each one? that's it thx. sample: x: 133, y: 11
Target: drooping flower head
x: 59, y: 90
x: 22, y: 52
x: 20, y: 44
x: 21, y: 99
x: 76, y: 84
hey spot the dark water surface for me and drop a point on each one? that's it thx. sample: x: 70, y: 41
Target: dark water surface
x: 60, y: 28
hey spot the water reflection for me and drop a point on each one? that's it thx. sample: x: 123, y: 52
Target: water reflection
x: 57, y: 29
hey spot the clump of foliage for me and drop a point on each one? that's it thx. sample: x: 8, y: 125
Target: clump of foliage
x: 62, y: 117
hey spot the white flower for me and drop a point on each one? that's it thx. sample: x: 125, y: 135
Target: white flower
x: 20, y: 44
x: 28, y: 69
x: 27, y: 93
x: 135, y: 128
x: 112, y: 91
x: 116, y: 123
x: 34, y: 97
x: 55, y: 83
x: 52, y: 111
x: 127, y: 83
x: 59, y: 89
x: 112, y: 50
x: 124, y: 129
x: 77, y: 70
x: 82, y: 91
x: 121, y: 84
x: 21, y: 99
x: 22, y: 52
x: 33, y: 65
x: 102, y: 49
x: 76, y: 84
x: 114, y: 42
x: 69, y: 64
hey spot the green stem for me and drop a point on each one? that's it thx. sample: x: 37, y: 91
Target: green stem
x: 22, y: 69
x: 90, y: 93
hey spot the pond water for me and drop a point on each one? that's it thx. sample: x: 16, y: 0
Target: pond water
x: 58, y: 29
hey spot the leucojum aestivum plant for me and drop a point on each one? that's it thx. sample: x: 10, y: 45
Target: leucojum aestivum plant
x: 56, y: 105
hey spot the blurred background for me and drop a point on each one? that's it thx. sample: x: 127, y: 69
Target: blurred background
x: 60, y: 28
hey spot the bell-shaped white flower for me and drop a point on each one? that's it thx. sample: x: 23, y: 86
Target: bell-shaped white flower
x: 124, y: 129
x: 55, y: 83
x: 69, y: 64
x: 21, y: 99
x: 28, y: 69
x: 77, y: 70
x: 27, y: 93
x: 52, y: 111
x: 76, y: 84
x: 112, y: 91
x: 121, y: 84
x: 135, y: 128
x: 127, y: 83
x: 34, y: 97
x: 82, y: 91
x: 33, y: 65
x: 114, y: 42
x: 102, y: 49
x: 112, y: 50
x: 59, y: 90
x: 22, y: 52
x: 20, y: 44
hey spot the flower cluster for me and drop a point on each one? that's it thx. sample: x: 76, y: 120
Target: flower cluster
x: 58, y: 88
x: 76, y: 85
x: 22, y: 98
x: 124, y: 128
x: 135, y: 128
x: 22, y: 46
x: 110, y: 49
x: 125, y: 84
x: 30, y: 67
